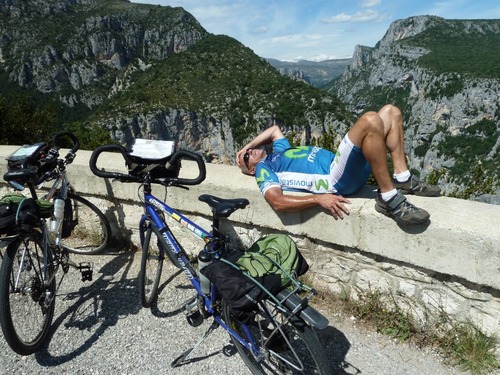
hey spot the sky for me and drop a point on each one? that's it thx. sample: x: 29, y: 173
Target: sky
x: 317, y: 30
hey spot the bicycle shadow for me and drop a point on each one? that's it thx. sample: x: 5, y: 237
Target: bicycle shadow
x: 180, y: 308
x: 94, y: 304
x: 337, y: 346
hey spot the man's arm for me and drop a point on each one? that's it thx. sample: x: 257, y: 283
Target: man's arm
x: 267, y: 136
x: 281, y: 202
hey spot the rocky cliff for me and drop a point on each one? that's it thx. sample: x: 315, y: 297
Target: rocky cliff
x: 442, y: 74
x: 152, y: 71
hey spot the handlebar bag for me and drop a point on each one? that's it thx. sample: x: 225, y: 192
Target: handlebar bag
x: 29, y: 156
x: 26, y: 156
x: 150, y: 155
x: 156, y: 167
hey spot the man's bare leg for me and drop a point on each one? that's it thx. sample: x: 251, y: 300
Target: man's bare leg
x: 368, y: 133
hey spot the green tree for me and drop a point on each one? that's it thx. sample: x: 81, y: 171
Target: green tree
x: 22, y: 120
x: 90, y: 136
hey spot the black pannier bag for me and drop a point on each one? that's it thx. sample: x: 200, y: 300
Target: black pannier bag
x: 8, y: 217
x: 68, y: 223
x: 18, y: 212
x: 260, y: 262
x: 239, y: 291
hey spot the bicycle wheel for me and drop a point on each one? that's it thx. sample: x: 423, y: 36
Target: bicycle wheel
x: 151, y: 265
x: 27, y: 300
x: 90, y: 229
x: 286, y: 345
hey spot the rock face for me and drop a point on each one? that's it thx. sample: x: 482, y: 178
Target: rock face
x: 190, y: 131
x: 314, y: 73
x: 87, y: 61
x: 438, y: 106
x: 88, y: 53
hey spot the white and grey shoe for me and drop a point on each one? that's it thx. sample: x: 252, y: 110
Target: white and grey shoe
x: 401, y: 210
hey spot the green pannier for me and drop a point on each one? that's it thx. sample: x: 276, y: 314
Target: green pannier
x: 271, y: 262
x: 273, y: 254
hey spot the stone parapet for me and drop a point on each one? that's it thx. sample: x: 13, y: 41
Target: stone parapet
x: 453, y: 263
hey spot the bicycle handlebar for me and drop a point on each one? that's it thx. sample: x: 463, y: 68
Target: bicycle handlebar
x: 40, y: 167
x: 70, y: 135
x: 170, y: 164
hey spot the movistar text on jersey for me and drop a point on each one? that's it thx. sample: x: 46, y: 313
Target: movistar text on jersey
x: 295, y: 183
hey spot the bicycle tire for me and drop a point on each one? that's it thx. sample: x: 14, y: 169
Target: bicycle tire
x: 151, y: 265
x: 25, y: 312
x: 309, y: 357
x: 91, y: 231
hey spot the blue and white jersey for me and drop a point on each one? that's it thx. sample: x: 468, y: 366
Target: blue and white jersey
x: 303, y: 168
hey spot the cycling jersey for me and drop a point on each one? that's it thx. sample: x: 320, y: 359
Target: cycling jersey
x: 313, y: 169
x: 303, y: 168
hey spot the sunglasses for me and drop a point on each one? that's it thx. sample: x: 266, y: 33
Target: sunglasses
x: 246, y: 157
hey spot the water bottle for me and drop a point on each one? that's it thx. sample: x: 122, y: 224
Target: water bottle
x: 204, y: 259
x: 55, y: 223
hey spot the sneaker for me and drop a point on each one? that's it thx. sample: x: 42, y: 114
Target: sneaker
x: 399, y: 209
x: 413, y: 186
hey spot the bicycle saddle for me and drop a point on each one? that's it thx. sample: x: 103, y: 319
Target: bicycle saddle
x: 223, y: 207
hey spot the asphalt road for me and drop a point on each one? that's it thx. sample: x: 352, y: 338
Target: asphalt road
x: 100, y: 328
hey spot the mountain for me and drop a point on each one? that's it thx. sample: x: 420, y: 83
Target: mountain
x: 316, y: 74
x: 444, y: 75
x: 153, y: 72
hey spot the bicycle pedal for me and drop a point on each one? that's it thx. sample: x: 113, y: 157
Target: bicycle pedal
x: 195, y: 319
x: 86, y: 271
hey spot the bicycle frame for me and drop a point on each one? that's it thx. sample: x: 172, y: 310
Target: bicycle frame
x: 152, y: 205
x: 51, y: 242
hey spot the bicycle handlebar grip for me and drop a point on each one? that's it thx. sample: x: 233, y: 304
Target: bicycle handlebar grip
x: 101, y: 173
x: 183, y: 154
x: 70, y: 135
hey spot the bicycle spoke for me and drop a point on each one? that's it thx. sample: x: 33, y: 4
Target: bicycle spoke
x: 285, y: 345
x: 27, y: 301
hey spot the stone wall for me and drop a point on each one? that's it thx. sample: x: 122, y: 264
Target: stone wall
x: 451, y: 265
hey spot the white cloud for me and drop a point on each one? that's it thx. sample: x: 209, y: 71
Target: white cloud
x: 315, y: 30
x: 370, y: 3
x: 366, y: 16
x: 298, y: 40
x: 261, y: 30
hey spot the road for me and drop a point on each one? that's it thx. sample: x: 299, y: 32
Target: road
x: 100, y: 328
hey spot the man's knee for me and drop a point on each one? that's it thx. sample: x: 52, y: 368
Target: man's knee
x: 390, y: 111
x: 372, y: 121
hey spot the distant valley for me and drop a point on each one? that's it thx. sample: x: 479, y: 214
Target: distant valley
x: 317, y: 74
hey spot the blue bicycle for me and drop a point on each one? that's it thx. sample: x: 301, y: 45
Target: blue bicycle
x: 278, y: 337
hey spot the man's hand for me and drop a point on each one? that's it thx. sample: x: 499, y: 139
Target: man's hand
x: 285, y: 202
x: 242, y: 151
x: 266, y: 137
x: 334, y: 203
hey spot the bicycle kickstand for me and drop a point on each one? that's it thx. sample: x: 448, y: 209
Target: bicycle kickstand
x: 184, y: 357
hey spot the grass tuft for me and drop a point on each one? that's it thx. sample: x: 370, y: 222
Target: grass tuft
x: 462, y: 343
